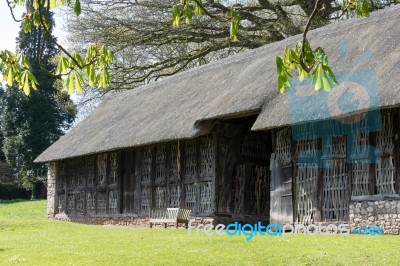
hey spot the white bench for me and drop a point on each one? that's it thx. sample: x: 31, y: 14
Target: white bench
x: 169, y: 215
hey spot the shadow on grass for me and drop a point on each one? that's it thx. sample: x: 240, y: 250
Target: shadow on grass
x: 14, y: 201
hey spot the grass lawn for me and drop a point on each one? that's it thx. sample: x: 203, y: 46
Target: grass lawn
x: 27, y: 238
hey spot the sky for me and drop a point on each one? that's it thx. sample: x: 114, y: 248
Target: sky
x: 9, y: 28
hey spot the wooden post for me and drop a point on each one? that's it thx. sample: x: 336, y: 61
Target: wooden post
x: 153, y: 151
x: 120, y: 161
x: 396, y: 151
x: 95, y: 183
x: 181, y: 148
x: 198, y: 173
x: 168, y: 151
x: 319, y: 191
x: 293, y: 161
x: 108, y: 162
x: 138, y: 171
x: 214, y: 186
x: 372, y: 177
x: 85, y: 165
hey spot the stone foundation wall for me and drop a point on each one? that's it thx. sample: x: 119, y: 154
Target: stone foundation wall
x: 136, y: 221
x: 51, y: 189
x: 385, y: 213
x: 123, y: 220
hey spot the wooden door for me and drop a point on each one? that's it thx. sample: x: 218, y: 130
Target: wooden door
x: 281, y: 192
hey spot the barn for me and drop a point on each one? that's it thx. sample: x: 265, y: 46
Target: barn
x: 221, y: 140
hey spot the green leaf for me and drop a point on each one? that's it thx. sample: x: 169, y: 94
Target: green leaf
x: 302, y: 73
x: 36, y: 18
x: 77, y: 57
x: 365, y: 8
x: 10, y: 77
x: 51, y: 3
x: 60, y: 2
x: 24, y: 61
x: 198, y: 10
x: 325, y: 82
x: 78, y: 82
x: 235, y: 22
x: 317, y: 78
x: 33, y: 80
x: 77, y: 7
x: 283, y: 75
x: 188, y: 13
x: 110, y: 56
x: 176, y: 16
x: 90, y: 53
x: 330, y: 74
x: 27, y: 89
x: 91, y: 76
x: 62, y: 67
x: 27, y: 24
x: 36, y: 4
x: 70, y: 84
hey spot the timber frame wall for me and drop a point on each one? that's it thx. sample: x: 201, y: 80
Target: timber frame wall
x: 223, y: 174
x: 324, y: 182
x: 173, y: 174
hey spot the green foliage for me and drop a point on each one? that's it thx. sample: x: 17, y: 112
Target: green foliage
x: 316, y: 61
x: 185, y: 9
x: 176, y: 16
x: 96, y: 74
x: 235, y: 23
x: 31, y: 124
x: 198, y: 8
x: 313, y: 63
x: 77, y: 7
x: 16, y: 69
x: 361, y: 7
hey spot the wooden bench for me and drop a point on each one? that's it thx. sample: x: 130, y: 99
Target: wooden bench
x: 169, y: 215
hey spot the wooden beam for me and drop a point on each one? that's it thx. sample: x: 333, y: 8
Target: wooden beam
x: 153, y: 151
x: 247, y: 189
x: 168, y: 151
x: 120, y: 161
x: 86, y: 163
x: 107, y: 181
x: 319, y: 190
x: 396, y: 151
x: 214, y: 188
x: 293, y: 161
x: 138, y: 171
x: 95, y: 183
x: 181, y: 148
x: 198, y: 173
x: 372, y: 175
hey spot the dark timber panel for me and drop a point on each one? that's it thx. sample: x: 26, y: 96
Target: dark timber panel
x: 128, y: 181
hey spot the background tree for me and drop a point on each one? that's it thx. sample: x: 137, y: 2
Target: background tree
x: 32, y: 123
x: 255, y: 20
x: 148, y: 47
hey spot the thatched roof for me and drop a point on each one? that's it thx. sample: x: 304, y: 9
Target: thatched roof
x: 371, y: 58
x: 184, y: 106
